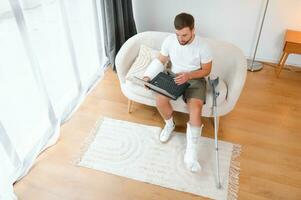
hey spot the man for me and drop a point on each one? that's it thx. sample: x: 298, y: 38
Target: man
x: 191, y: 61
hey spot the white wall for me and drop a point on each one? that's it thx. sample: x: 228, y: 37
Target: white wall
x: 236, y: 21
x: 4, y: 6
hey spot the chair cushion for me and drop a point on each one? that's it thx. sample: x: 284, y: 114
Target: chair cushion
x: 144, y: 58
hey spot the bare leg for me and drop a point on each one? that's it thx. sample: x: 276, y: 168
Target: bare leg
x: 164, y: 107
x: 195, y: 110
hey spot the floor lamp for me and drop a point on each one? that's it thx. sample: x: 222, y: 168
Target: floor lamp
x: 252, y: 64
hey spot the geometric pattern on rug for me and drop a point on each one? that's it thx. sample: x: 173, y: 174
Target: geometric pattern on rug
x: 134, y: 151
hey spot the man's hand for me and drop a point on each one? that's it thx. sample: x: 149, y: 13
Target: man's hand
x: 147, y: 79
x: 181, y: 78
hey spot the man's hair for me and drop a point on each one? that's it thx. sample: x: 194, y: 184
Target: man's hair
x: 183, y: 20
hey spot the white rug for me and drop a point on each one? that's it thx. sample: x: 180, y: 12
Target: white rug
x: 133, y: 150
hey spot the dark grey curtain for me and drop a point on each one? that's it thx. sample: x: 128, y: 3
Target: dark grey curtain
x: 119, y: 25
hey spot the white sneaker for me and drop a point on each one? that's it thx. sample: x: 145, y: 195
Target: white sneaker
x: 166, y: 133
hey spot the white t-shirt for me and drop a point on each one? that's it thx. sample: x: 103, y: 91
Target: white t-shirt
x: 185, y: 58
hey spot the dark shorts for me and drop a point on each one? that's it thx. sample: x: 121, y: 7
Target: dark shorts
x: 197, y: 90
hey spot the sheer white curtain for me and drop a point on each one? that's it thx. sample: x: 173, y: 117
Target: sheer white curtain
x: 52, y: 54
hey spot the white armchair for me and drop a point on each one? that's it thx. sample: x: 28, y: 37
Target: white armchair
x: 229, y: 64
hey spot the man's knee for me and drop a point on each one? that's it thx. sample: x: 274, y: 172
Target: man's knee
x: 161, y: 100
x: 195, y: 105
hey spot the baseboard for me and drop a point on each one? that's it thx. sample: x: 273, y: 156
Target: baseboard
x: 275, y: 62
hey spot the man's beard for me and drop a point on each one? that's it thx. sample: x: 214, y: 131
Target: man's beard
x: 186, y: 41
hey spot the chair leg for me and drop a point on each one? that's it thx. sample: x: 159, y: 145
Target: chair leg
x: 129, y: 105
x: 282, y: 62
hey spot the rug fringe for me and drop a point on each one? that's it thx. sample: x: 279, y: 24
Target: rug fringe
x: 88, y: 140
x: 234, y: 171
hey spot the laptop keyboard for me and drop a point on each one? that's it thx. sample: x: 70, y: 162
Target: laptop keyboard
x: 167, y: 83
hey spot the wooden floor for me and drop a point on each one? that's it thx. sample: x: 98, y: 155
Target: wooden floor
x: 266, y: 122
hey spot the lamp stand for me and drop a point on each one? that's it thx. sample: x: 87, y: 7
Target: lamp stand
x: 252, y: 64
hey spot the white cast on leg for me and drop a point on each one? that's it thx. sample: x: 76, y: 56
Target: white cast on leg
x: 192, y: 147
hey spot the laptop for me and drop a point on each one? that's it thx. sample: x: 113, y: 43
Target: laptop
x: 164, y: 84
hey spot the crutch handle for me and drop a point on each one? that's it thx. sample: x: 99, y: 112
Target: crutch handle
x: 213, y: 82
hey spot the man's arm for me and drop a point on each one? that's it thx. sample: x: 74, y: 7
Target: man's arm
x: 204, y: 71
x: 162, y: 59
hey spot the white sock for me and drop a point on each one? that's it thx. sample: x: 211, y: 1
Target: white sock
x: 169, y: 122
x: 192, y: 148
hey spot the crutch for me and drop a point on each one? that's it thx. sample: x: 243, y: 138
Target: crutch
x: 213, y: 83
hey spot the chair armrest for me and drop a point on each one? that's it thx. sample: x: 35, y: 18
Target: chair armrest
x: 126, y: 56
x: 236, y: 77
x: 130, y: 49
